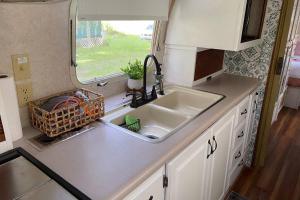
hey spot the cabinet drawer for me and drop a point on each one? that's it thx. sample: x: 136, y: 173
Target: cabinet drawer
x: 235, y: 172
x: 237, y: 156
x: 239, y: 135
x: 243, y: 111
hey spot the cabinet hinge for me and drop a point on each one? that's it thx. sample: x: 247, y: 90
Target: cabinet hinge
x: 165, y: 181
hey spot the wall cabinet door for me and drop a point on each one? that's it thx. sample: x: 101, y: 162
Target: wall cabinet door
x: 151, y: 189
x: 187, y: 172
x: 222, y: 134
x: 223, y: 24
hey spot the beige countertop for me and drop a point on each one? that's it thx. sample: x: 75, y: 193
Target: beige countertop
x: 106, y: 163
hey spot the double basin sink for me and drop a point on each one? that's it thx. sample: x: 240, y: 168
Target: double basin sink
x: 162, y: 117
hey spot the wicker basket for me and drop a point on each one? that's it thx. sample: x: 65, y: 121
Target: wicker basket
x: 68, y: 118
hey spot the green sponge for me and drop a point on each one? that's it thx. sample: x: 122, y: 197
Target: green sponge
x: 132, y: 123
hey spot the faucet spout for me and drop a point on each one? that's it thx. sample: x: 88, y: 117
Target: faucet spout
x: 158, y: 72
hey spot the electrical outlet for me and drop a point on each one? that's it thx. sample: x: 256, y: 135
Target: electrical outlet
x: 21, y: 67
x: 24, y: 91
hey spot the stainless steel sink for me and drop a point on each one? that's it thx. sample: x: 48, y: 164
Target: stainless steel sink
x: 164, y: 116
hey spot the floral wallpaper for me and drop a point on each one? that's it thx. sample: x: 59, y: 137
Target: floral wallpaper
x: 255, y: 62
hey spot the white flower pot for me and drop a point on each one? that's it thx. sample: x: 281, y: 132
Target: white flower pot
x: 135, y: 84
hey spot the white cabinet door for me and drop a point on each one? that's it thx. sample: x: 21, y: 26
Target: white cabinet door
x: 222, y: 134
x: 151, y: 189
x: 187, y: 172
x: 216, y: 24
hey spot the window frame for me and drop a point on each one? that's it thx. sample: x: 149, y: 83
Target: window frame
x: 116, y: 77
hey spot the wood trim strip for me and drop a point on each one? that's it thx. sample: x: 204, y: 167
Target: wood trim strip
x: 273, y: 81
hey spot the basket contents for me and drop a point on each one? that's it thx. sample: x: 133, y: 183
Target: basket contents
x: 66, y: 111
x: 60, y: 102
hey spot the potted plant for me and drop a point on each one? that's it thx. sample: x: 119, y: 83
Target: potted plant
x: 135, y: 72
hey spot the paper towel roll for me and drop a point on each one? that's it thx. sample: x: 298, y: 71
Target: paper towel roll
x: 9, y: 108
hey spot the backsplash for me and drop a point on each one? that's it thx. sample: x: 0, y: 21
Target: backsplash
x: 43, y: 34
x: 255, y: 62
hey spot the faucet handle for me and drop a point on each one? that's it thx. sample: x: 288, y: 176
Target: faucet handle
x: 130, y: 94
x: 133, y: 103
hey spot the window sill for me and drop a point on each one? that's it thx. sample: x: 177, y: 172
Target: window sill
x: 112, y: 78
x: 116, y: 84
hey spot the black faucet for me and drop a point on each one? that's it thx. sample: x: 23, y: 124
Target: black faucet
x: 136, y: 102
x: 153, y: 95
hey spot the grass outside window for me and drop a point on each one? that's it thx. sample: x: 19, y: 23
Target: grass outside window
x: 111, y: 47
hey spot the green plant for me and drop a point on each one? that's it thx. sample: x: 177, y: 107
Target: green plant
x: 134, y: 70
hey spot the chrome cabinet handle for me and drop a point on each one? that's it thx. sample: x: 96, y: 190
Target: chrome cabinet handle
x: 238, y: 155
x: 244, y: 112
x: 210, y: 149
x: 241, y: 135
x: 216, y: 144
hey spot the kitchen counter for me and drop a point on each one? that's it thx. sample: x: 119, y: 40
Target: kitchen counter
x: 106, y: 163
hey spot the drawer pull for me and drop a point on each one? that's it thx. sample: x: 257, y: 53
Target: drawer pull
x: 216, y: 144
x: 210, y: 149
x: 238, y: 155
x: 244, y: 112
x: 241, y: 135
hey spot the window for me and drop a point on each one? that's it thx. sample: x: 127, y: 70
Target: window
x: 104, y: 47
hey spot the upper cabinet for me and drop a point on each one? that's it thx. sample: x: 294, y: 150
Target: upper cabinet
x: 219, y: 24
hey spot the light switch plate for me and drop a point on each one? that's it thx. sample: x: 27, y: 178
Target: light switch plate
x: 21, y: 67
x: 24, y: 91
